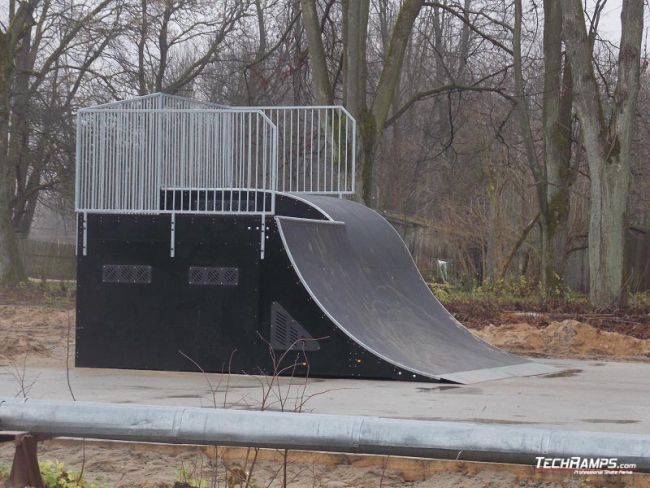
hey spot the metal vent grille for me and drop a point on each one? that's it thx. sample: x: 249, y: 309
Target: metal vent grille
x: 126, y: 273
x: 213, y: 276
x: 287, y: 333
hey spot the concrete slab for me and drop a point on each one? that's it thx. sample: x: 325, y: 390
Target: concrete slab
x: 587, y: 395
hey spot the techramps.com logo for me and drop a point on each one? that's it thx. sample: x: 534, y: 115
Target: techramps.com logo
x: 586, y: 465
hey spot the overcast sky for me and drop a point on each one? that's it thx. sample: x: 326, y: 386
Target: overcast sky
x: 610, y: 21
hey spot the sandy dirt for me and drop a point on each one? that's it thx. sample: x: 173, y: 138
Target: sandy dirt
x: 37, y: 336
x: 565, y: 339
x: 127, y: 465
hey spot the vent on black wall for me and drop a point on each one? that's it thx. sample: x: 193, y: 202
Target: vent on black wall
x: 213, y: 276
x: 126, y: 273
x: 287, y: 333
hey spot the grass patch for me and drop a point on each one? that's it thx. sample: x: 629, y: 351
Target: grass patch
x: 39, y: 292
x: 55, y: 475
x: 485, y: 305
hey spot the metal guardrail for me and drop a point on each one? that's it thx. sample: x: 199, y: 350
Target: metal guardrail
x: 158, y: 101
x: 133, y: 156
x: 316, y: 149
x: 128, y: 159
x: 304, y: 431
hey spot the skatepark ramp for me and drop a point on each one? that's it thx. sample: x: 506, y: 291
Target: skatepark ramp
x: 359, y: 272
x: 216, y: 234
x: 337, y: 294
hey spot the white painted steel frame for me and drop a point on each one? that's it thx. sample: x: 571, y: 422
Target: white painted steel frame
x: 317, y: 148
x: 318, y: 432
x: 128, y: 159
x: 133, y: 153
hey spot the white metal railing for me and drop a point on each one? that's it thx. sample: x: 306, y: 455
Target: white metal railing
x: 316, y: 148
x: 159, y: 101
x: 167, y: 154
x: 150, y: 160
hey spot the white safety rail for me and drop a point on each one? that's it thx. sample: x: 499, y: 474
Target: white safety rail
x: 170, y: 160
x: 316, y: 148
x: 318, y: 432
x: 162, y: 153
x: 159, y: 101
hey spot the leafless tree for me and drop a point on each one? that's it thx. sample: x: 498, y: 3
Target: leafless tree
x: 607, y: 142
x: 49, y: 48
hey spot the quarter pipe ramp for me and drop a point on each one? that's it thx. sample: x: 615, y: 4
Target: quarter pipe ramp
x: 358, y: 270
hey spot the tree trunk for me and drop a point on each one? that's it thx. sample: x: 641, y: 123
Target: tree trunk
x: 355, y: 27
x: 609, y: 191
x: 323, y: 91
x: 370, y: 121
x: 11, y: 265
x: 25, y: 208
x: 607, y: 144
x: 557, y: 104
x: 142, y: 43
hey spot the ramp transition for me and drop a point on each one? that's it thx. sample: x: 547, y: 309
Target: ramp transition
x: 357, y: 269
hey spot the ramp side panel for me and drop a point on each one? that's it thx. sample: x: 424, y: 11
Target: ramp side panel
x: 364, y: 279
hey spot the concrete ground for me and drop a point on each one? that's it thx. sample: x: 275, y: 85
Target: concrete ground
x: 586, y: 395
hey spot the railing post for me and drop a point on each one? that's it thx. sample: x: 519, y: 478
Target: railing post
x: 159, y: 152
x: 24, y: 469
x: 172, y: 237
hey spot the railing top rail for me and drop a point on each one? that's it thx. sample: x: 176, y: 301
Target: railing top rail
x: 153, y: 96
x: 291, y: 107
x: 173, y: 110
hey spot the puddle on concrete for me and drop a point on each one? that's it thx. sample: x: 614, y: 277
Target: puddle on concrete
x: 598, y: 364
x: 499, y: 421
x: 610, y: 421
x: 437, y: 388
x: 567, y: 373
x: 460, y: 390
x: 234, y: 386
x: 481, y: 421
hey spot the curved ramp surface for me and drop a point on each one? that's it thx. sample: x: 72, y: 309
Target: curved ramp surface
x: 358, y: 270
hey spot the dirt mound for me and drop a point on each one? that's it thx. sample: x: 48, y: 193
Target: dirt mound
x: 41, y: 332
x: 568, y: 338
x: 633, y: 320
x: 38, y: 332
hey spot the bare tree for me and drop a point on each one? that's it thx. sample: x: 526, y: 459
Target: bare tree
x: 174, y: 41
x: 47, y: 51
x: 12, y: 40
x: 371, y: 115
x: 552, y: 171
x: 559, y: 174
x: 607, y: 142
